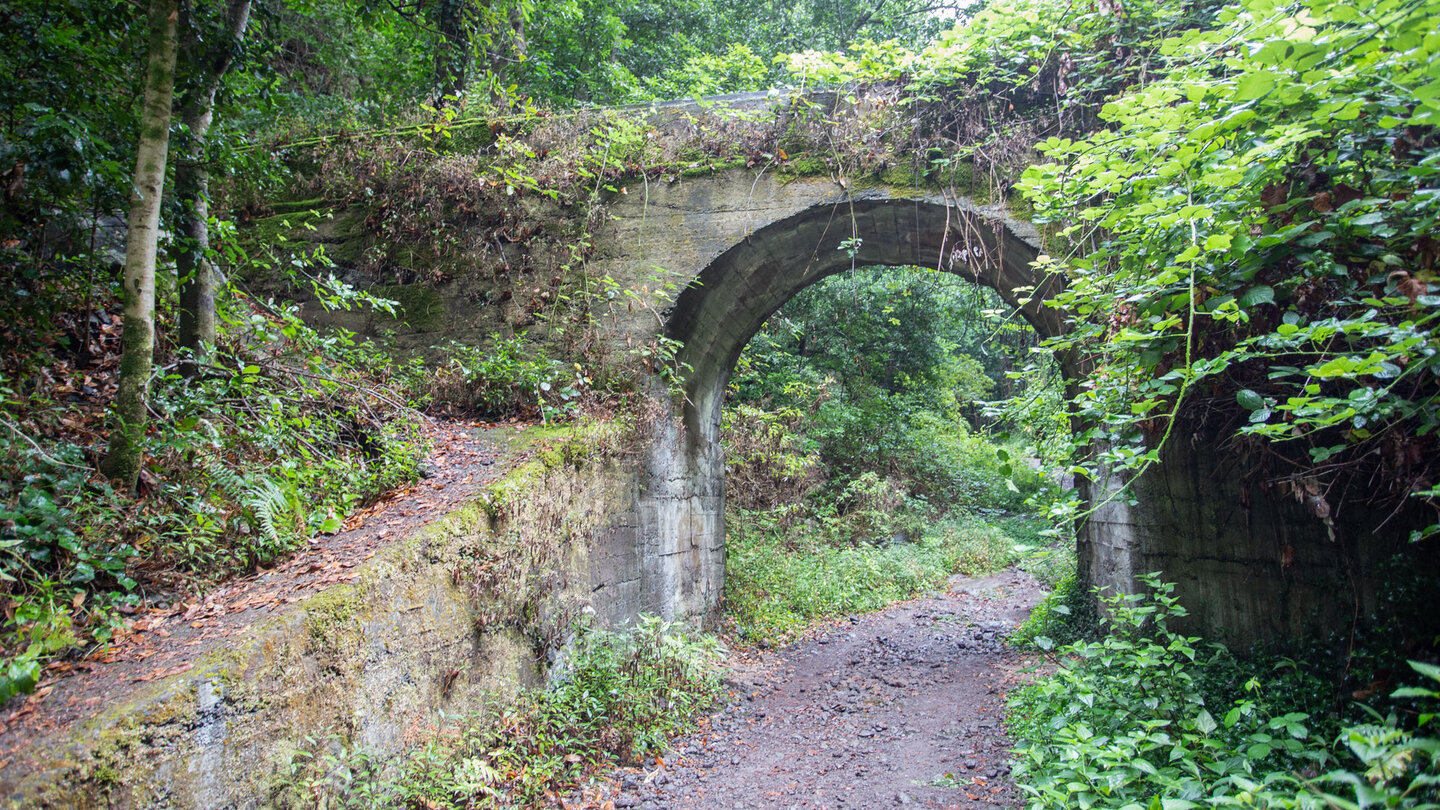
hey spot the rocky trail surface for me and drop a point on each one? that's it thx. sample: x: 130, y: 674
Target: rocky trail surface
x: 901, y: 708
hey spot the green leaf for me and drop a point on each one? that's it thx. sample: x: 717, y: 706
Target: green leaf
x: 1205, y: 722
x: 1430, y: 671
x: 1232, y: 717
x: 1254, y: 85
x: 1217, y: 241
x: 1413, y: 692
x: 1259, y: 294
x: 1249, y: 400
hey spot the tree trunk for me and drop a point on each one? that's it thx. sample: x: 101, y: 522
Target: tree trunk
x: 510, y: 45
x: 454, y: 19
x: 192, y: 266
x: 127, y: 433
x: 192, y: 180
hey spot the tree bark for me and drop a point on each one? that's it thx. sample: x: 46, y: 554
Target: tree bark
x: 123, y: 458
x: 192, y: 180
x: 455, y: 21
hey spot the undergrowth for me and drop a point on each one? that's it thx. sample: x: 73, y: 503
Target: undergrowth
x: 1145, y: 717
x: 278, y: 435
x: 780, y: 581
x: 617, y: 700
x: 1064, y: 616
x: 503, y: 376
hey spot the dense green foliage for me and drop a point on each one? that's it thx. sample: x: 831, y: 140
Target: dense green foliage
x: 616, y: 52
x: 1240, y: 200
x: 888, y: 372
x: 861, y: 451
x: 617, y: 700
x: 285, y: 432
x: 782, y: 580
x: 1253, y: 231
x: 1144, y: 718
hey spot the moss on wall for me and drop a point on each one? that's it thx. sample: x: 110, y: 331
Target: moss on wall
x: 802, y: 166
x: 468, y: 608
x: 419, y: 306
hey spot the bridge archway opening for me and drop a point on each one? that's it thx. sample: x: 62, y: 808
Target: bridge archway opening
x: 715, y: 316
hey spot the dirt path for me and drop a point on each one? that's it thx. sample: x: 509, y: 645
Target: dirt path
x: 169, y: 634
x: 898, y: 708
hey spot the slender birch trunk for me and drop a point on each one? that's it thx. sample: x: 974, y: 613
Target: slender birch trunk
x: 123, y: 459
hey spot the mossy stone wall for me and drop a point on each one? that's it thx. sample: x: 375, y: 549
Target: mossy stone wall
x: 472, y: 607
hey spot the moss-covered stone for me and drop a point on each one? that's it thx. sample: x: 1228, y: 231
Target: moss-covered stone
x: 1020, y: 206
x: 291, y: 230
x: 903, y: 175
x: 708, y: 167
x: 550, y: 457
x: 419, y: 306
x: 961, y: 176
x: 297, y: 206
x: 332, y: 630
x: 806, y: 166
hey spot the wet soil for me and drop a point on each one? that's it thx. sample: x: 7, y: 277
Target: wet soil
x: 172, y: 631
x: 901, y: 708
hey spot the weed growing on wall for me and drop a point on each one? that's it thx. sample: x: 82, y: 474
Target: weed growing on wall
x: 616, y: 700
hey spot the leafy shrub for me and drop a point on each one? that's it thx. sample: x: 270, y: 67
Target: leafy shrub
x: 882, y: 372
x: 702, y: 74
x: 961, y: 467
x: 1124, y: 722
x: 872, y: 509
x: 282, y: 432
x: 767, y: 460
x: 506, y: 376
x: 1064, y: 616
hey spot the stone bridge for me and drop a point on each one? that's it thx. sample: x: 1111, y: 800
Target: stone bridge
x: 702, y: 261
x: 716, y: 253
x: 742, y: 247
x: 1249, y: 565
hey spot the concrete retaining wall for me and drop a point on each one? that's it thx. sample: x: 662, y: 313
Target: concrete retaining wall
x: 469, y: 608
x: 1253, y: 562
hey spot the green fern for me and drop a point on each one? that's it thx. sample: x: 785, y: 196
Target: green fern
x: 262, y: 503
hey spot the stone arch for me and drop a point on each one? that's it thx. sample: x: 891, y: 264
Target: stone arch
x: 717, y: 314
x: 730, y: 296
